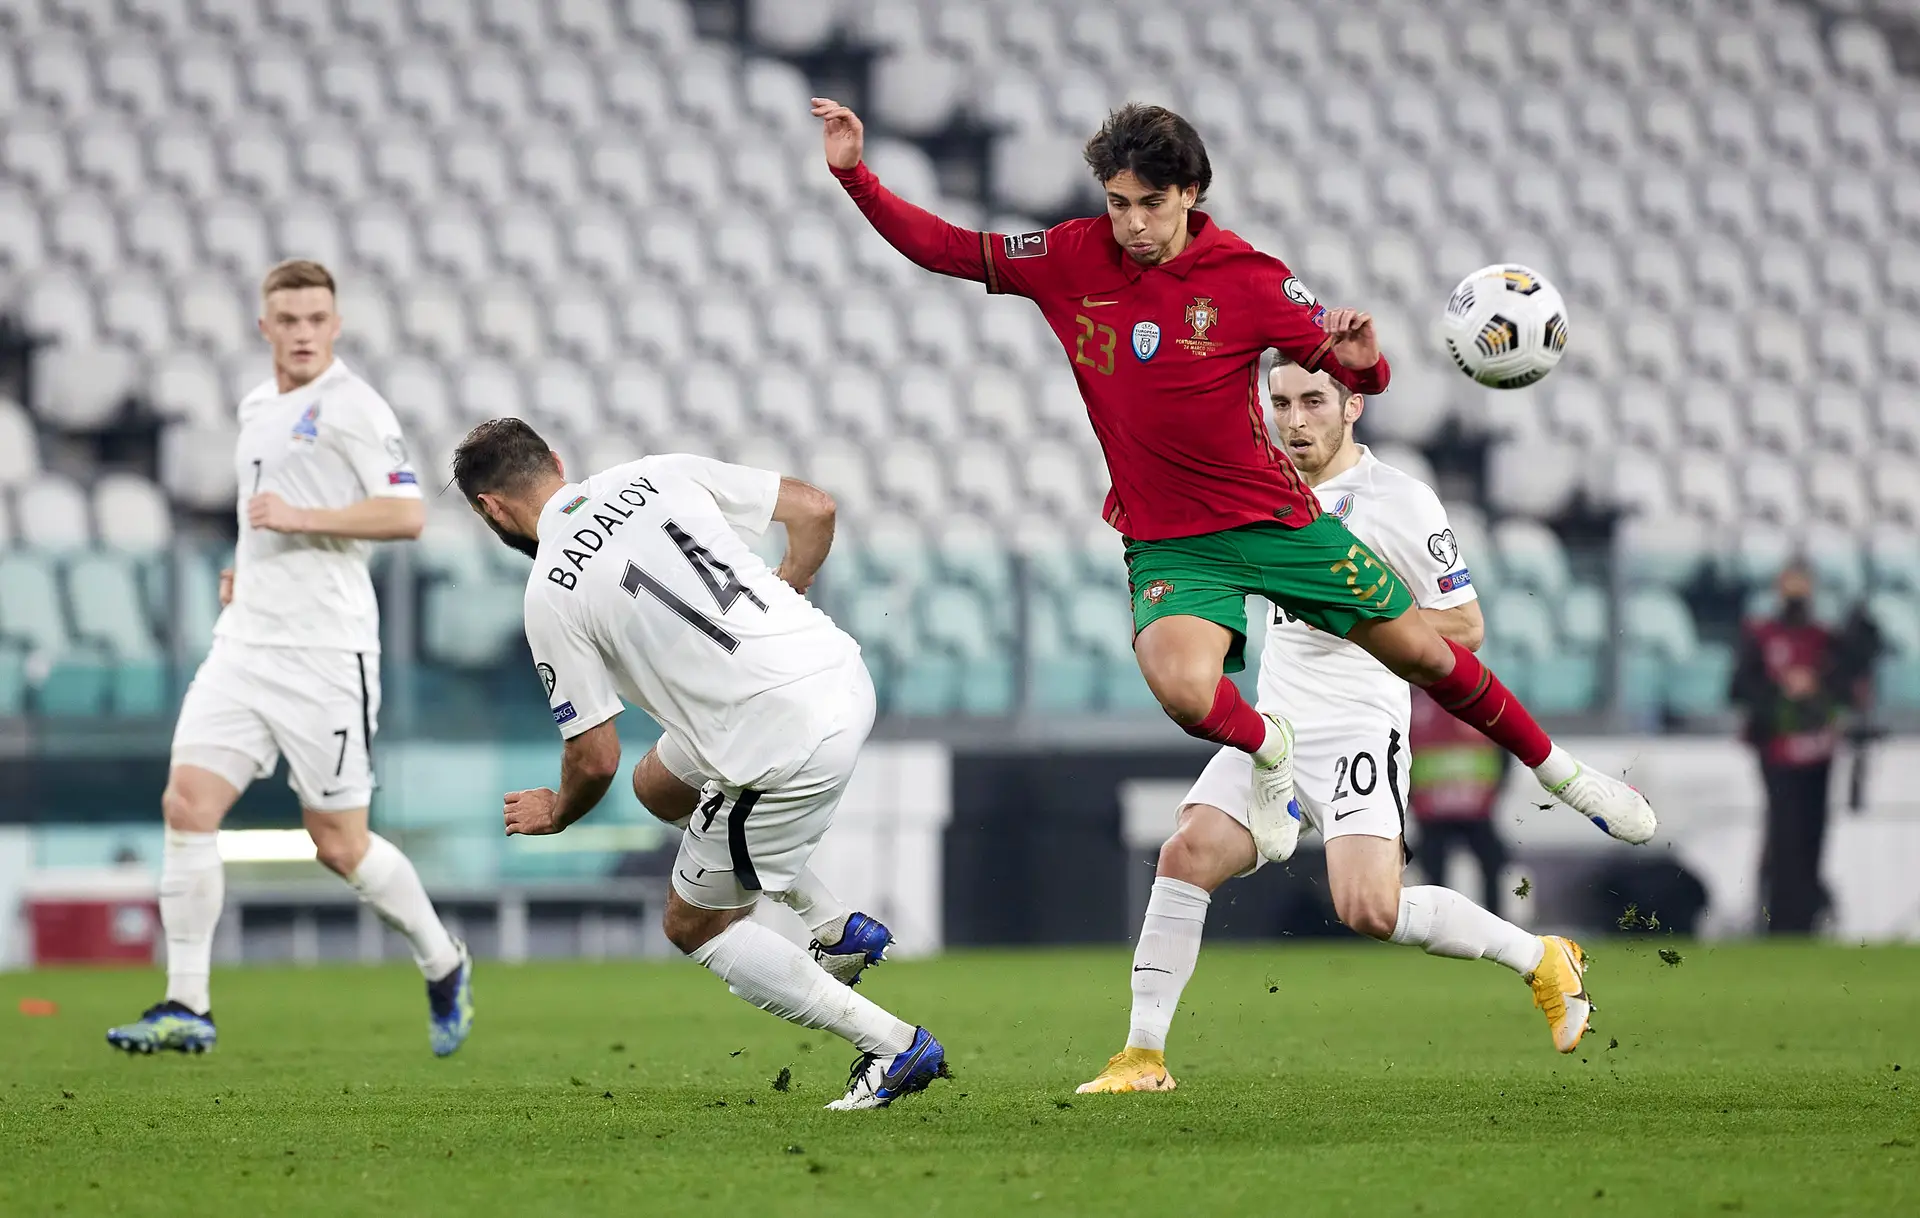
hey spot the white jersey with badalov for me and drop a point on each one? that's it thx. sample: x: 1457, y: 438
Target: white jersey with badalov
x: 642, y: 589
x: 1306, y: 674
x: 328, y: 444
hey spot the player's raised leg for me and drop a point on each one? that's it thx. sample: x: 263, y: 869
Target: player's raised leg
x: 386, y: 881
x: 1191, y: 630
x: 1363, y: 873
x: 845, y: 943
x: 192, y: 892
x: 1412, y: 648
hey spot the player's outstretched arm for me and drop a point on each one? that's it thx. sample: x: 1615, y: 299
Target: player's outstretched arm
x: 925, y: 238
x: 379, y: 518
x: 808, y: 512
x: 587, y: 769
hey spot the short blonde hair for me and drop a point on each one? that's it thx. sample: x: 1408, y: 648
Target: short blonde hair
x: 296, y: 273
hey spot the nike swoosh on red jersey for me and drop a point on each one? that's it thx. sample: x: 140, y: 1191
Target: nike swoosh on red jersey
x: 1087, y: 302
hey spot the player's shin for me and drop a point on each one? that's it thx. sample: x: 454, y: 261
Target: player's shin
x: 1443, y: 922
x: 386, y: 880
x: 1164, y: 959
x: 1472, y: 694
x: 763, y: 968
x: 1231, y: 721
x: 192, y: 891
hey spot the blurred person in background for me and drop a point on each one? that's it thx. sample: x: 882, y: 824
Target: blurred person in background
x: 1453, y: 785
x: 1795, y: 681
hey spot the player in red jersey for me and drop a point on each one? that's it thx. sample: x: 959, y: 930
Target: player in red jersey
x: 1165, y: 316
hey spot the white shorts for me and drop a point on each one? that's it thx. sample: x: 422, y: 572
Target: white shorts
x: 745, y: 841
x: 1350, y: 776
x: 319, y: 707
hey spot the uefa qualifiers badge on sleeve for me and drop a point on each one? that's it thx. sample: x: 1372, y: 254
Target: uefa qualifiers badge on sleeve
x: 1146, y: 340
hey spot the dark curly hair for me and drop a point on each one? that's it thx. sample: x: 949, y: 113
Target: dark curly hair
x: 500, y: 457
x: 1158, y: 146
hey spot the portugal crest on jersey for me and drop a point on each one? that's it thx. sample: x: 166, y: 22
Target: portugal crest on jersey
x: 1154, y: 591
x: 1202, y: 316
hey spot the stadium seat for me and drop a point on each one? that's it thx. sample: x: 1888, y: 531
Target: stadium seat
x: 58, y: 305
x: 1896, y: 487
x: 1523, y: 624
x: 132, y: 77
x: 103, y: 590
x: 1532, y: 558
x: 1893, y: 558
x: 1529, y: 477
x: 233, y: 232
x: 22, y: 241
x: 196, y: 466
x: 30, y: 611
x: 19, y: 445
x: 1772, y: 488
x: 110, y: 155
x: 135, y: 310
x: 159, y: 233
x: 58, y: 76
x: 1836, y: 492
x: 1660, y: 551
x: 1697, y: 686
x: 131, y: 514
x: 1776, y: 418
x: 1862, y: 56
x: 83, y: 388
x: 1638, y: 483
x: 1656, y: 621
x: 1759, y: 552
x: 208, y: 312
x: 1898, y: 617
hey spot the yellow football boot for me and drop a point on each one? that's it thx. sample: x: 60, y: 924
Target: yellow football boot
x: 1559, y: 991
x: 1131, y: 1069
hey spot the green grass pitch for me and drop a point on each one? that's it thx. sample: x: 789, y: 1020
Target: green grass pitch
x: 1350, y: 1079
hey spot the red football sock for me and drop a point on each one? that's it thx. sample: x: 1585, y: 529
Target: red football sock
x: 1231, y: 721
x: 1473, y: 695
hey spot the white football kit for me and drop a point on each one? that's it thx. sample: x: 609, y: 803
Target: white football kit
x: 295, y: 664
x: 642, y: 590
x: 1348, y: 712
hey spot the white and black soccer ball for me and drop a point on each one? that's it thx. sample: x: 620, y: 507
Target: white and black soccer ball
x: 1505, y: 326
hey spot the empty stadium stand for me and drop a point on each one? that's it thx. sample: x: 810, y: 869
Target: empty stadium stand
x: 612, y: 219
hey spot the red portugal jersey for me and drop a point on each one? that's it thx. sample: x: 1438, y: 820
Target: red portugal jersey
x: 1167, y: 357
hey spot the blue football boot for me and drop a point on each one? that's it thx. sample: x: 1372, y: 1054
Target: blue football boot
x: 450, y: 1006
x: 877, y: 1080
x: 165, y: 1025
x: 863, y: 942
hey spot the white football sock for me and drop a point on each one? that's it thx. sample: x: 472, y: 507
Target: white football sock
x: 387, y: 881
x: 193, y: 887
x: 766, y: 970
x: 1164, y: 959
x: 1445, y: 923
x: 1559, y: 766
x: 1273, y: 747
x: 823, y: 913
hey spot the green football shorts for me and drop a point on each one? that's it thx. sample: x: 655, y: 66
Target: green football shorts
x: 1320, y: 574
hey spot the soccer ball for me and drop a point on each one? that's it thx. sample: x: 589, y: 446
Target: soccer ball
x: 1505, y: 326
